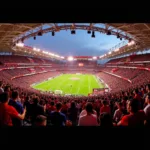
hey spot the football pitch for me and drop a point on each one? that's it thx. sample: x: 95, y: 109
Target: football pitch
x: 74, y: 84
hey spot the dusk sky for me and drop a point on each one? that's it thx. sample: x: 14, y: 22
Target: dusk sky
x: 80, y: 44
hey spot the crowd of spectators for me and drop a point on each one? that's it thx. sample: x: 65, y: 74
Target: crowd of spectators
x: 126, y: 105
x: 19, y: 107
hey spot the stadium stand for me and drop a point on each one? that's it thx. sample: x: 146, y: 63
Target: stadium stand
x: 111, y: 109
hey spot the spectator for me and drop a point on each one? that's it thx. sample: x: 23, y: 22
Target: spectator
x: 84, y: 112
x: 18, y: 106
x: 7, y: 112
x: 118, y: 113
x: 57, y: 117
x: 64, y: 108
x: 89, y: 119
x: 8, y: 90
x: 51, y: 107
x: 1, y: 87
x: 105, y: 120
x: 148, y: 88
x: 136, y: 116
x: 73, y: 113
x: 138, y: 97
x: 147, y: 109
x: 36, y: 109
x: 105, y: 108
x: 40, y: 120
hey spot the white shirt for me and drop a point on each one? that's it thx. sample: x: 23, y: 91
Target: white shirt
x: 147, y: 111
x: 117, y: 115
x: 1, y: 90
x: 83, y: 113
x: 88, y: 120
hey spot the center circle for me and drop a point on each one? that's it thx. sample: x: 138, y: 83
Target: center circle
x: 74, y: 78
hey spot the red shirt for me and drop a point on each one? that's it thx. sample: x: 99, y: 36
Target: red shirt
x: 138, y: 97
x: 64, y: 107
x: 105, y: 109
x: 52, y: 108
x: 134, y: 119
x: 7, y: 112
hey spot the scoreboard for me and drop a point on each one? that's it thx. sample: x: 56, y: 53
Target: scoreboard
x: 100, y: 91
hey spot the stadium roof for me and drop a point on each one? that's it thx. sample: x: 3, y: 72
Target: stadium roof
x: 139, y: 32
x: 9, y: 31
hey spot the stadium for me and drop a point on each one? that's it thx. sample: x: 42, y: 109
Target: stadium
x: 44, y: 88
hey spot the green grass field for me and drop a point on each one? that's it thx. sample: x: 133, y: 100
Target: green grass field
x: 74, y: 84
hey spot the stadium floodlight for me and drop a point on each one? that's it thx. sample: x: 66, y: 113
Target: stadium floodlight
x: 20, y: 44
x: 62, y: 57
x: 45, y: 52
x: 94, y: 57
x: 73, y: 32
x: 89, y: 32
x: 109, y: 52
x: 53, y: 33
x: 116, y: 50
x: 57, y: 56
x: 70, y: 58
x: 131, y: 43
x: 108, y: 32
x: 93, y: 34
x: 34, y: 48
x: 118, y: 36
x: 89, y: 59
x: 39, y: 33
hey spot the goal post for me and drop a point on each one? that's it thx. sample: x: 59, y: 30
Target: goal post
x: 58, y: 92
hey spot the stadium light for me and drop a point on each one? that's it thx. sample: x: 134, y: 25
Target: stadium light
x: 34, y: 48
x: 40, y: 33
x: 52, y: 54
x: 62, y: 57
x: 108, y: 32
x: 118, y: 36
x: 20, y: 44
x: 73, y: 32
x: 131, y: 43
x: 93, y: 34
x: 45, y: 52
x: 89, y: 59
x: 116, y: 50
x: 94, y: 57
x: 53, y: 33
x: 109, y: 52
x: 70, y: 58
x: 89, y: 32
